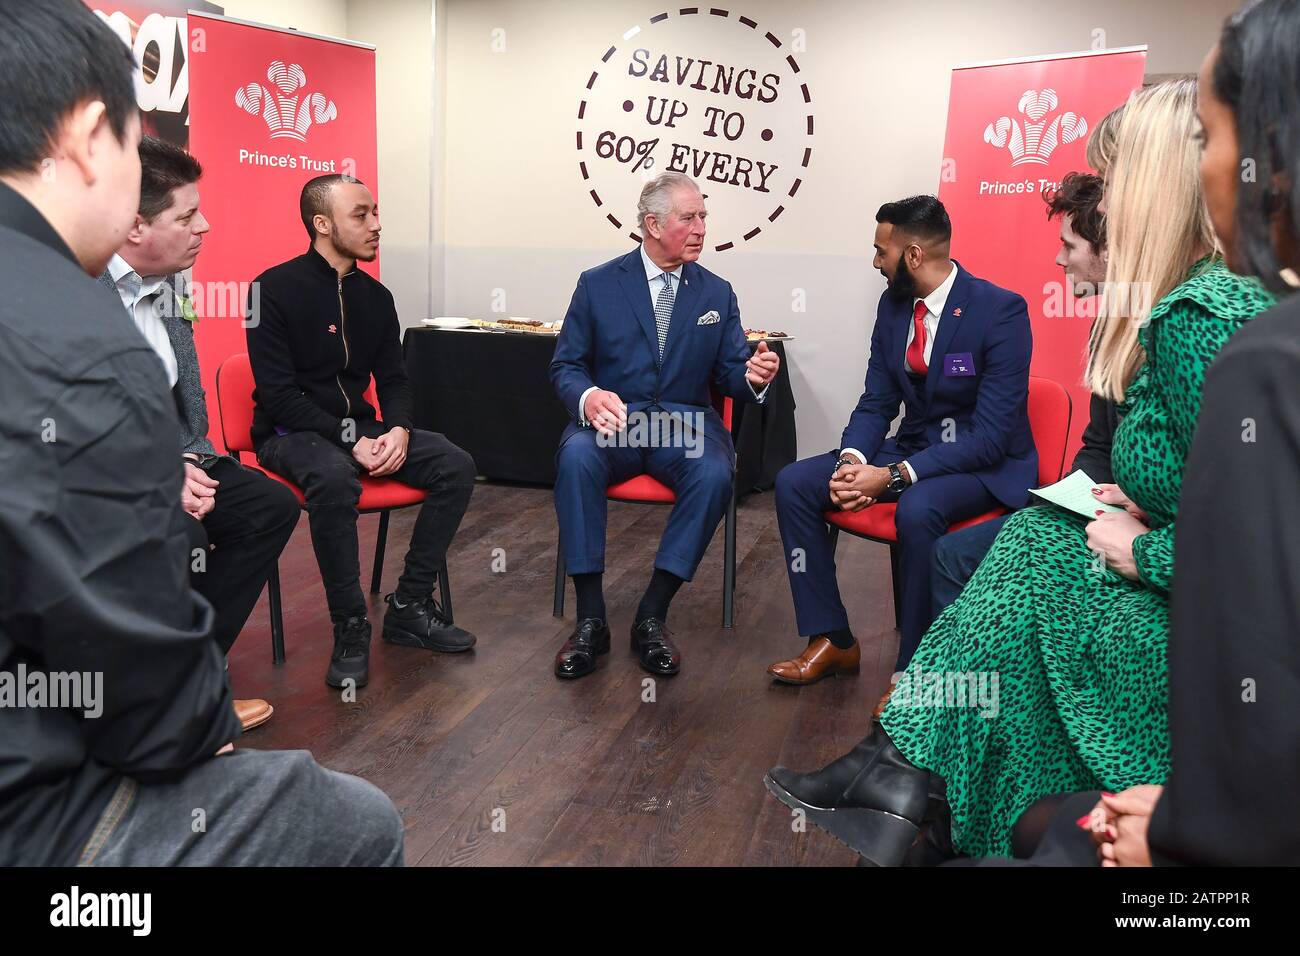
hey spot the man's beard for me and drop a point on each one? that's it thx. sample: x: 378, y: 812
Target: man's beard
x: 902, y: 287
x: 365, y: 253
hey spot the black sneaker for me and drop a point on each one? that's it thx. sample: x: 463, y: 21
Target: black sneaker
x: 422, y: 624
x: 351, y: 658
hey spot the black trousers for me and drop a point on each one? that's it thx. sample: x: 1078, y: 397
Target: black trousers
x: 1047, y: 834
x: 331, y: 479
x: 246, y: 530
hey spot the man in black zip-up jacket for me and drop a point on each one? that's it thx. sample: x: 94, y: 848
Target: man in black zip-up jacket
x: 318, y: 329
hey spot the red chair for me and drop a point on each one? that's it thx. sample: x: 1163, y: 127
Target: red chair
x: 378, y: 495
x: 1049, y: 421
x: 648, y: 491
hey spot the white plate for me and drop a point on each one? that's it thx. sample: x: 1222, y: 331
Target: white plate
x: 449, y: 322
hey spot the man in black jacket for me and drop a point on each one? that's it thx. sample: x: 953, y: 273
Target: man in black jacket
x: 319, y: 329
x: 113, y: 696
x: 1082, y: 258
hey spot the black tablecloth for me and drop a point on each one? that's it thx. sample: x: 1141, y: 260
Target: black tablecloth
x: 490, y: 393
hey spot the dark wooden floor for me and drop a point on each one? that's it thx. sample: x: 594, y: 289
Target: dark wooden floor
x: 581, y: 772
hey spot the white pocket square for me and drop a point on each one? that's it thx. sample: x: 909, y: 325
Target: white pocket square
x: 708, y: 318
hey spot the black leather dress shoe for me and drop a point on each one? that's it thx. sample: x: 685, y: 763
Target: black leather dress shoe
x: 578, y: 655
x: 872, y: 799
x: 651, y: 644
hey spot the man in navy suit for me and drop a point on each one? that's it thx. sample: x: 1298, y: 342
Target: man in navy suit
x: 954, y: 351
x: 645, y: 336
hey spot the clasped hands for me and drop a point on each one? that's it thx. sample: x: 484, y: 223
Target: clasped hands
x: 1118, y: 825
x: 383, y: 455
x: 856, y: 486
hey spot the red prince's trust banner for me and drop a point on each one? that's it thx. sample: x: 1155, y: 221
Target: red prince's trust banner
x: 1013, y: 128
x: 269, y: 110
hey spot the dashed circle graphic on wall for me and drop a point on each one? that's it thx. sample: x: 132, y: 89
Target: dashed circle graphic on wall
x: 706, y: 92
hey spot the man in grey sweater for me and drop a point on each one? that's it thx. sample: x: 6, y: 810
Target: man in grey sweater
x: 247, y: 518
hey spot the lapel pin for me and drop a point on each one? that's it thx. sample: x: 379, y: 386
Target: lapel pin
x: 956, y: 312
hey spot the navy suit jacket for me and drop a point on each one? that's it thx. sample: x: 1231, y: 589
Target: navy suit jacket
x: 986, y: 414
x: 609, y: 339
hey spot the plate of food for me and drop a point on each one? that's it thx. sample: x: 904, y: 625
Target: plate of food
x: 759, y: 335
x: 519, y: 324
x: 449, y: 322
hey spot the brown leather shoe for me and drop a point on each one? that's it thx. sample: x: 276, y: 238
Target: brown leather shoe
x: 820, y: 659
x: 253, y: 713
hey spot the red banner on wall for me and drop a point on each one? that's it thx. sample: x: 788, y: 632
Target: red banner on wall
x: 270, y: 109
x: 1013, y: 128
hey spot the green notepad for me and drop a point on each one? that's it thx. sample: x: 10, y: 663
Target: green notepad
x: 1074, y: 493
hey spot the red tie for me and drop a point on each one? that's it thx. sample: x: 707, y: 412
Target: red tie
x: 916, y: 351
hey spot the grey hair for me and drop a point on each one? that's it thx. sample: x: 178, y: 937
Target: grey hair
x: 655, y: 194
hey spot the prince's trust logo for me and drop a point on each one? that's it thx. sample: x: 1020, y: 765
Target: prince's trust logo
x: 1037, y: 139
x: 287, y: 115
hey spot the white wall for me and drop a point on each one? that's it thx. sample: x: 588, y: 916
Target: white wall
x: 519, y: 224
x: 322, y: 17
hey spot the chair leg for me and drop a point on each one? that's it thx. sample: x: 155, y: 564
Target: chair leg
x: 893, y: 577
x: 277, y: 619
x: 380, y: 542
x: 444, y: 589
x: 558, y: 609
x: 729, y: 563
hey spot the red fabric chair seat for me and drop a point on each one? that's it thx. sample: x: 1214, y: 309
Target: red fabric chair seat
x: 642, y: 488
x: 877, y: 522
x: 377, y: 494
x: 1049, y: 420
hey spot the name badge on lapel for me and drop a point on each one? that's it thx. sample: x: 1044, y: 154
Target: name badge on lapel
x: 960, y: 364
x: 708, y: 318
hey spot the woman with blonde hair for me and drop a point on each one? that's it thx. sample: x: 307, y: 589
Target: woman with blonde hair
x: 1100, y: 153
x: 1064, y: 624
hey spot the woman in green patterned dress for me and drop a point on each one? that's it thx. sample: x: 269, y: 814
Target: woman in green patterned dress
x: 1069, y: 617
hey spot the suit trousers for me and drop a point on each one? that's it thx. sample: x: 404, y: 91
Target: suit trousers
x: 331, y: 480
x: 586, y: 468
x: 957, y: 555
x: 925, y: 510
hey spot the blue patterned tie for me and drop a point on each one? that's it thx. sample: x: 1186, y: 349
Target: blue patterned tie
x: 664, y: 312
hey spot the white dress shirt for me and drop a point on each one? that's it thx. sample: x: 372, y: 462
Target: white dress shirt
x: 934, y: 303
x: 654, y: 284
x: 138, y: 295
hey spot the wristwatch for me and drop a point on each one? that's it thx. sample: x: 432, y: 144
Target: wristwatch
x: 897, y: 480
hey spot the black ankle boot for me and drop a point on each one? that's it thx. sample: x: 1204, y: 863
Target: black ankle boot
x: 872, y: 799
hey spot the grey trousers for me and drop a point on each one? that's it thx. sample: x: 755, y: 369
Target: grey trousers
x: 249, y: 808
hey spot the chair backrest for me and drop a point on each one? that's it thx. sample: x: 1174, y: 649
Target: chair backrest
x: 1049, y: 421
x: 235, y: 402
x: 722, y: 405
x: 235, y: 386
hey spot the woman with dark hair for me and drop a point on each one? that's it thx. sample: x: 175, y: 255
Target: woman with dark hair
x: 1234, y: 653
x: 1234, y: 649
